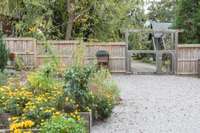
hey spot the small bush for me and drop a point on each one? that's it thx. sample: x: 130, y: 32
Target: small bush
x: 76, y: 80
x: 3, y: 54
x: 102, y: 53
x: 3, y: 78
x: 43, y: 80
x: 105, y: 93
x: 19, y: 64
x: 61, y: 124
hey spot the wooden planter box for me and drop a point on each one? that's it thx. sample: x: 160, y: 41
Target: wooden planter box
x: 103, y: 61
x: 4, y: 123
x: 24, y: 130
x: 87, y: 116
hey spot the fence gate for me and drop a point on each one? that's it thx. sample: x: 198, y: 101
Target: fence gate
x: 163, y: 50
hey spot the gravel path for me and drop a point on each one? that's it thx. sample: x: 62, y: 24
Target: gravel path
x: 155, y: 104
x: 138, y: 66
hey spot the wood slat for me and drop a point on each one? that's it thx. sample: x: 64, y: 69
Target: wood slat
x: 33, y: 52
x: 187, y: 58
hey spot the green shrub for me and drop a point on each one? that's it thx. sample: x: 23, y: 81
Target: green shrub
x: 19, y: 64
x: 61, y: 124
x: 43, y: 80
x: 105, y: 92
x: 104, y: 85
x: 3, y: 78
x: 3, y: 54
x: 102, y: 53
x: 104, y: 107
x: 76, y: 80
x: 188, y: 18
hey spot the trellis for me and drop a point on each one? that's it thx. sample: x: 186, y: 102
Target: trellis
x: 158, y: 53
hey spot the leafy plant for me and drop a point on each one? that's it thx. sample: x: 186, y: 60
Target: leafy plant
x: 63, y: 124
x: 187, y: 18
x: 19, y: 64
x: 104, y: 107
x: 43, y: 80
x: 105, y: 94
x: 3, y: 53
x: 76, y: 80
x: 79, y: 55
x: 3, y: 78
x: 102, y: 53
x: 14, y: 100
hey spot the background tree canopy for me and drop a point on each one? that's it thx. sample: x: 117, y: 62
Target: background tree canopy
x: 99, y: 20
x: 163, y: 10
x: 188, y: 18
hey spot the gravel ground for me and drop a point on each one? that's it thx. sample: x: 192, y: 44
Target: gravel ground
x: 155, y: 104
x: 138, y: 66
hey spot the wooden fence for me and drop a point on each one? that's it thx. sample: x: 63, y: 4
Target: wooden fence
x: 34, y: 53
x: 25, y: 48
x: 187, y: 58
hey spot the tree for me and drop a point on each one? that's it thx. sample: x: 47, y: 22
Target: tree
x: 163, y: 10
x: 188, y: 18
x: 70, y: 19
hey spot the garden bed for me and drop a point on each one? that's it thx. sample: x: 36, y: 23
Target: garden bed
x: 47, y: 100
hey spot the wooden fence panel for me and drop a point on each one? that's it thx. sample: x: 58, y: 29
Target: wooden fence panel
x: 116, y: 51
x: 62, y: 50
x: 35, y: 53
x: 24, y: 48
x: 187, y: 59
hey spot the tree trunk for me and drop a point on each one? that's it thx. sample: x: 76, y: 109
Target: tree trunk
x: 68, y: 34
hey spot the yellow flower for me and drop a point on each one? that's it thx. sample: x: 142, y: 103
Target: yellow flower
x: 57, y: 113
x: 66, y: 99
x: 32, y: 29
x: 21, y: 125
x: 17, y: 131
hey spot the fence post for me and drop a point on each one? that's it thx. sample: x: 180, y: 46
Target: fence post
x: 35, y: 52
x: 198, y: 68
x: 158, y: 62
x: 126, y: 52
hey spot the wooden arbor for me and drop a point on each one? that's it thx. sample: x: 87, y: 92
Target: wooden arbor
x: 158, y: 52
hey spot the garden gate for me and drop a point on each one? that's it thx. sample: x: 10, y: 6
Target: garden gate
x: 159, y: 53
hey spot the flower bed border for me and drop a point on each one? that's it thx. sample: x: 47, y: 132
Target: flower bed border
x: 87, y: 116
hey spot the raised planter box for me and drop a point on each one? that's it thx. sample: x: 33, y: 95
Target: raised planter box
x: 4, y: 123
x: 102, y: 58
x: 87, y: 116
x: 24, y: 130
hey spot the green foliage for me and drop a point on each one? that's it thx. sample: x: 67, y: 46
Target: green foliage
x: 79, y: 55
x: 105, y: 92
x: 19, y: 64
x: 104, y: 108
x: 76, y: 80
x: 163, y: 11
x: 102, y: 53
x: 3, y: 78
x: 91, y: 90
x: 3, y: 53
x: 63, y: 124
x: 92, y: 20
x: 42, y: 80
x: 187, y: 18
x: 13, y: 100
